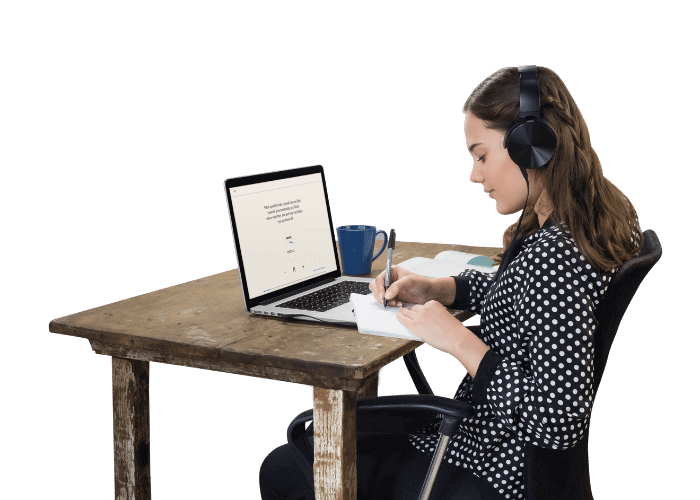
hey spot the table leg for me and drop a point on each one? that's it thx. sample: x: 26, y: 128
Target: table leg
x: 132, y: 447
x: 335, y: 456
x: 335, y: 450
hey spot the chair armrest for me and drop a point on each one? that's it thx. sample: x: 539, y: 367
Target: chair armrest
x: 417, y: 402
x: 453, y: 412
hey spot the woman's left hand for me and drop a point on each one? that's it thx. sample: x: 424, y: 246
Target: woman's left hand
x: 434, y: 324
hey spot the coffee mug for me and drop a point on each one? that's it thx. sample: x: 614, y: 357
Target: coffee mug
x: 356, y: 244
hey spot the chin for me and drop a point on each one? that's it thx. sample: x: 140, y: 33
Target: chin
x: 507, y: 211
x: 510, y: 209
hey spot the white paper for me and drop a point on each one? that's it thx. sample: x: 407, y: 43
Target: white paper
x: 447, y: 263
x: 373, y: 319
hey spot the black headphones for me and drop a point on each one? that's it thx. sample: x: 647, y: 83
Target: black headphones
x: 530, y: 140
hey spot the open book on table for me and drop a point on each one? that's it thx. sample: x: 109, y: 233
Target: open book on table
x: 448, y: 263
x: 372, y: 318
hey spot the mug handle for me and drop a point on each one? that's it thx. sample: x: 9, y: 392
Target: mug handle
x: 383, y: 246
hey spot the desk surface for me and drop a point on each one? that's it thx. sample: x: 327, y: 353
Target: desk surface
x: 204, y: 322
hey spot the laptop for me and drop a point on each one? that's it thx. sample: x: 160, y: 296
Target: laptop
x: 287, y: 258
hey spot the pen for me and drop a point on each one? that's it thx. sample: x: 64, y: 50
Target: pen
x: 387, y: 278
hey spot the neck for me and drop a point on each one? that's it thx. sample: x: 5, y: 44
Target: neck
x: 542, y: 208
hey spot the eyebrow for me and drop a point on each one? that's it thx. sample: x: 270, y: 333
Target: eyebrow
x: 471, y: 148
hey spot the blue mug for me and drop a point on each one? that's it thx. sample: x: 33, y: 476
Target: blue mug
x: 356, y: 244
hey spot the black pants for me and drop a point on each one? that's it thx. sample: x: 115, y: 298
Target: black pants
x: 388, y: 467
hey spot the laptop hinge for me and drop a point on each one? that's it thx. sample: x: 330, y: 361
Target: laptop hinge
x: 295, y: 292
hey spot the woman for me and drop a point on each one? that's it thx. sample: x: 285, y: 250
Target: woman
x: 530, y: 365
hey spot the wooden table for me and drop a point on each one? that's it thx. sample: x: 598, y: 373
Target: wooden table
x: 203, y: 324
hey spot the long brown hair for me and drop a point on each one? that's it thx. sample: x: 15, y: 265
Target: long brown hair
x: 599, y: 216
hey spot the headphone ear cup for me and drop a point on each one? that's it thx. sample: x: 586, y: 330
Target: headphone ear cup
x: 530, y: 142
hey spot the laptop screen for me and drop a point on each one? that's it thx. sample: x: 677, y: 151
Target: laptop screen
x: 283, y: 231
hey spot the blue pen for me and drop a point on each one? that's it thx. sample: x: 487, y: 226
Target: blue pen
x: 387, y: 278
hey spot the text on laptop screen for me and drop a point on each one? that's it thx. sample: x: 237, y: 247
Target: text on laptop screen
x: 283, y: 230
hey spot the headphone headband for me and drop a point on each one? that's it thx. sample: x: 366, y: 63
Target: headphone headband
x: 529, y: 92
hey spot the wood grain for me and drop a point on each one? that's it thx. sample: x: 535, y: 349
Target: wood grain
x: 203, y: 324
x: 132, y: 449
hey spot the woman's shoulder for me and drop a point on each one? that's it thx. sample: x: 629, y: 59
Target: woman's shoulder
x: 553, y: 241
x: 551, y: 254
x: 550, y: 246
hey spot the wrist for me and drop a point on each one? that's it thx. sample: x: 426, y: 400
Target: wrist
x: 444, y: 290
x: 469, y: 350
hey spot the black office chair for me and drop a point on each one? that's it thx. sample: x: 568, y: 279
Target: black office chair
x: 549, y: 474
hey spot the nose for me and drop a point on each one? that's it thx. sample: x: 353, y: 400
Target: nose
x: 476, y: 175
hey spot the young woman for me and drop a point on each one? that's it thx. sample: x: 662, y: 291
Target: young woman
x: 530, y: 364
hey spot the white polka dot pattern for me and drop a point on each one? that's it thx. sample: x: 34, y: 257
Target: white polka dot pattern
x: 538, y: 318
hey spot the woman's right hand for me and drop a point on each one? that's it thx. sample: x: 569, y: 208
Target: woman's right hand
x: 406, y: 287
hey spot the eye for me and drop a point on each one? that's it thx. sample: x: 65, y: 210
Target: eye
x: 480, y: 158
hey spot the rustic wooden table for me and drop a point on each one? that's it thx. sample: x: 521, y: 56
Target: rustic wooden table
x: 203, y: 324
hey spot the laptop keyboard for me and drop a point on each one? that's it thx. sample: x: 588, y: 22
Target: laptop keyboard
x: 329, y: 297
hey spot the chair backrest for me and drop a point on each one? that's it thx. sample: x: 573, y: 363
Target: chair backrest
x: 624, y: 284
x: 557, y: 474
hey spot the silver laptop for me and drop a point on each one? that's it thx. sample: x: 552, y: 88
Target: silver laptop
x: 287, y: 259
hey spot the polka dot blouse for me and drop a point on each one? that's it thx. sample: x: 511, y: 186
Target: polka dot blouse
x: 535, y: 384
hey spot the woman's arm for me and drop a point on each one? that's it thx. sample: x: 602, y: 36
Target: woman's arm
x: 444, y: 290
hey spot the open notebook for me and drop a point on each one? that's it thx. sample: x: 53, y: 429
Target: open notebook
x: 373, y: 319
x: 449, y: 263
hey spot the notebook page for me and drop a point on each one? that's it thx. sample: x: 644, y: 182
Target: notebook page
x: 432, y: 268
x: 373, y: 319
x: 440, y: 269
x: 470, y: 260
